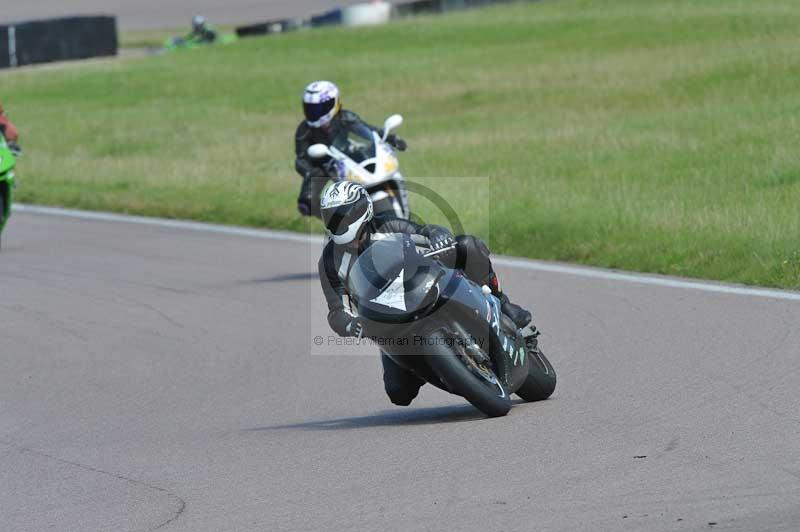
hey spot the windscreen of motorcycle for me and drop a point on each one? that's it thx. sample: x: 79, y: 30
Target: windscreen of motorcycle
x: 358, y: 144
x: 391, y: 282
x: 370, y: 161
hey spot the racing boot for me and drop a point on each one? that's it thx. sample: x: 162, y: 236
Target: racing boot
x: 518, y: 315
x: 531, y: 335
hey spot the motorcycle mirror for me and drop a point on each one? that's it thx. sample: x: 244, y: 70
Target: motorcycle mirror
x: 318, y: 151
x: 393, y: 122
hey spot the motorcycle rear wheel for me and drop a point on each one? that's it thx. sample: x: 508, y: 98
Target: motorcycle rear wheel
x: 464, y: 376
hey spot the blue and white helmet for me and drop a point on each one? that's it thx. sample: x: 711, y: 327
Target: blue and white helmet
x: 321, y: 103
x: 346, y: 208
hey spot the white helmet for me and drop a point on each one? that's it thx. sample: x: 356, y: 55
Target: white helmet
x: 346, y: 208
x: 198, y: 22
x: 321, y: 103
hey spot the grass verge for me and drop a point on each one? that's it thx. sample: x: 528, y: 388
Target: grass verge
x: 651, y: 135
x: 155, y: 38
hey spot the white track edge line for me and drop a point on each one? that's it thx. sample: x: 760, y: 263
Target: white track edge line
x: 269, y: 234
x: 511, y: 262
x: 669, y: 282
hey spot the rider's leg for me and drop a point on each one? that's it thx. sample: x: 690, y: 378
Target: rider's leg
x: 401, y: 194
x: 472, y: 256
x: 401, y: 386
x: 386, y: 206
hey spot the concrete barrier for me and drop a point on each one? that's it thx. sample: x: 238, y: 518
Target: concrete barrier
x: 370, y: 14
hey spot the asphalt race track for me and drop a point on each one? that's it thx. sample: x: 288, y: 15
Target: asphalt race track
x: 165, y: 378
x: 151, y: 14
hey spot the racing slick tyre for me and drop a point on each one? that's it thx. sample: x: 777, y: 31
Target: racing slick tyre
x: 464, y: 375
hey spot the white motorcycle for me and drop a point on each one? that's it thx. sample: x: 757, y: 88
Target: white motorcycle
x: 372, y: 163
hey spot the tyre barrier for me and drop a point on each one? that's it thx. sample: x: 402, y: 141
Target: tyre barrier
x: 425, y: 7
x: 377, y: 12
x: 61, y: 39
x: 273, y: 26
x: 419, y: 7
x: 329, y: 18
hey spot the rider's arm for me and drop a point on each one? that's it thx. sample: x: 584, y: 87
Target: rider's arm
x: 422, y: 234
x: 7, y: 129
x: 314, y: 176
x: 339, y: 318
x: 393, y: 225
x: 356, y: 124
x: 302, y: 140
x: 363, y: 128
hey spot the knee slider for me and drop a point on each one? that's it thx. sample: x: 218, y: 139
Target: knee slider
x: 401, y: 395
x: 473, y: 257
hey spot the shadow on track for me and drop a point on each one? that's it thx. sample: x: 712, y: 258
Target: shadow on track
x: 285, y: 278
x: 390, y: 418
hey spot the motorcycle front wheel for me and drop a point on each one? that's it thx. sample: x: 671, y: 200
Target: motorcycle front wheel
x: 541, y: 381
x: 468, y: 377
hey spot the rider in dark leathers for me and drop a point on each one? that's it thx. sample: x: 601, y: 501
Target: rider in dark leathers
x: 202, y: 32
x: 325, y: 123
x: 470, y: 254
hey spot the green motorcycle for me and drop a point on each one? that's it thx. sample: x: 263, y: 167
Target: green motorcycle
x: 189, y: 43
x: 8, y: 162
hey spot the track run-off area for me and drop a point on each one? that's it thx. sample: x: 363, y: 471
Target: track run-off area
x: 163, y: 375
x: 154, y: 14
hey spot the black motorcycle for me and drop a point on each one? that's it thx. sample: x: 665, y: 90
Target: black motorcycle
x: 433, y: 321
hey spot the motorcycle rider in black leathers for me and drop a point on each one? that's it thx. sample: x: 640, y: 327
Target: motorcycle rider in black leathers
x: 325, y: 123
x: 346, y: 209
x: 202, y: 32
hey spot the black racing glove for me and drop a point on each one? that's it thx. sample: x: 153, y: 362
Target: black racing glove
x: 15, y: 149
x: 397, y: 142
x: 440, y: 239
x: 355, y: 328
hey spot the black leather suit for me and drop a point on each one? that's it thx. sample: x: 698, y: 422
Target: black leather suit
x: 471, y: 256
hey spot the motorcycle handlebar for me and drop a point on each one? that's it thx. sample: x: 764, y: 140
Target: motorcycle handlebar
x: 438, y: 251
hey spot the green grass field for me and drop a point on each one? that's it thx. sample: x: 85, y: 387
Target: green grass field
x: 650, y: 135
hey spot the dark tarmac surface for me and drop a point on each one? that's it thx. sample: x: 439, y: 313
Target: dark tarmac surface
x: 156, y: 378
